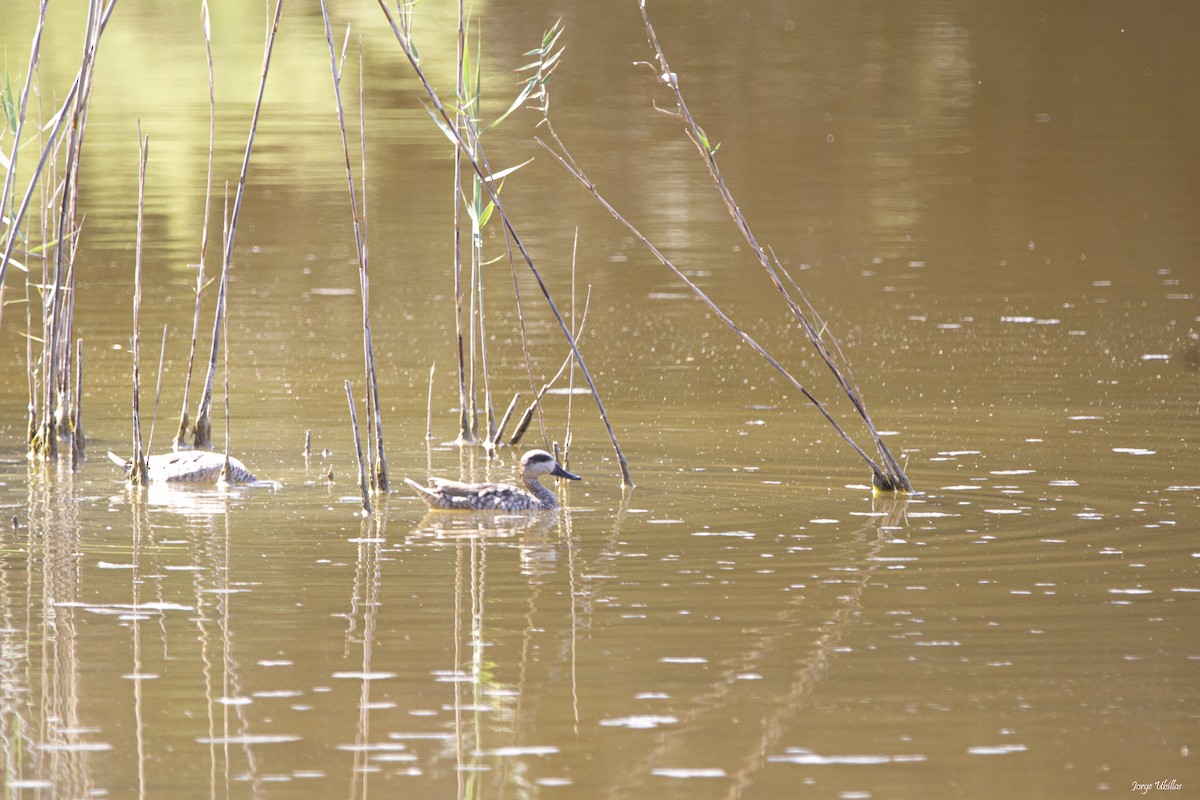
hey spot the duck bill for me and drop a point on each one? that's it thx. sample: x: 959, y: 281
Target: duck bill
x: 562, y: 473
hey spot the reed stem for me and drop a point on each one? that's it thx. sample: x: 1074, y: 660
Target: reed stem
x: 30, y: 369
x: 889, y: 476
x: 478, y: 165
x: 138, y: 470
x: 51, y: 147
x: 566, y: 462
x: 62, y: 319
x: 429, y: 405
x: 162, y: 352
x: 568, y: 362
x: 54, y: 412
x: 225, y: 478
x: 358, y: 452
x: 11, y: 174
x: 375, y: 453
x: 498, y: 434
x: 465, y: 433
x: 202, y: 433
x: 78, y: 438
x: 180, y: 442
x: 568, y: 163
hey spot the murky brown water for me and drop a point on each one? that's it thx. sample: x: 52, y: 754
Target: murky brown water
x: 996, y: 209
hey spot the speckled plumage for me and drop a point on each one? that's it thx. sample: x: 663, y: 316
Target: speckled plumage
x: 190, y: 466
x: 447, y: 494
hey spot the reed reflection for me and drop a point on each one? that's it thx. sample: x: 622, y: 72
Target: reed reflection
x: 492, y: 715
x: 48, y: 741
x: 786, y: 629
x: 366, y: 600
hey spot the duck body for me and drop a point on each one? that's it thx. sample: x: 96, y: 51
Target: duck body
x: 190, y: 466
x: 533, y: 496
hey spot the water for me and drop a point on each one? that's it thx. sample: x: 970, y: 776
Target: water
x: 994, y: 209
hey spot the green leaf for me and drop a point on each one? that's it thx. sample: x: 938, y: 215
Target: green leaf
x: 517, y: 103
x: 18, y: 264
x: 449, y: 134
x: 550, y: 63
x: 479, y: 62
x: 8, y: 97
x: 487, y: 213
x: 504, y: 173
x: 491, y: 206
x: 43, y: 247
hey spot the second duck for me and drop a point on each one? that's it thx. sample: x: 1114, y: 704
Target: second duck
x: 447, y: 494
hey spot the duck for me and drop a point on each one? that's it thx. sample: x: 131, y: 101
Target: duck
x: 447, y: 494
x: 189, y: 466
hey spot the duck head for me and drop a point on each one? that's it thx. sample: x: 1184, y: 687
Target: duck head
x: 539, y: 462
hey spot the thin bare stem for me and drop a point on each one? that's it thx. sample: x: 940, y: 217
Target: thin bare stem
x: 30, y: 367
x: 362, y: 472
x: 465, y: 434
x: 11, y: 174
x: 568, y: 362
x: 429, y: 405
x: 577, y: 330
x: 162, y: 352
x: 478, y: 167
x: 380, y: 471
x: 226, y: 476
x: 891, y: 476
x: 78, y: 439
x: 498, y: 434
x: 203, y: 430
x: 180, y: 436
x: 138, y: 471
x: 569, y: 165
x: 54, y: 412
x: 60, y: 329
x: 375, y: 450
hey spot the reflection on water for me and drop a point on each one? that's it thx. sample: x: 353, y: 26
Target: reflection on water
x: 991, y: 205
x: 607, y: 650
